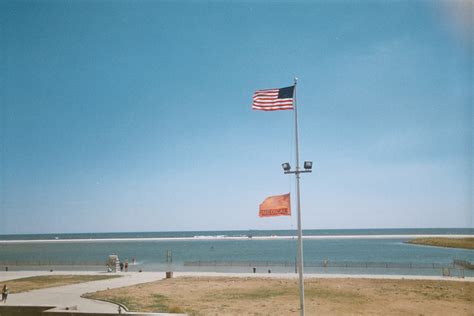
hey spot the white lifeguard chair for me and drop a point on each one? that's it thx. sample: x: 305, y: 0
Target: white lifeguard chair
x: 113, y: 263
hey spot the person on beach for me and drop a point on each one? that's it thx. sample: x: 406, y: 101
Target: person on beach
x: 126, y: 265
x: 5, y: 292
x: 121, y: 266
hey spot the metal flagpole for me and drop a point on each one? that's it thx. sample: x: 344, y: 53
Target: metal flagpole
x: 298, y: 206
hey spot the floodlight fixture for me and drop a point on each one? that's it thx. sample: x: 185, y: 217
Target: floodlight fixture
x: 308, y: 165
x: 286, y: 166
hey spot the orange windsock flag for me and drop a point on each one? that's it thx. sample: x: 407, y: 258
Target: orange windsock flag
x: 277, y: 205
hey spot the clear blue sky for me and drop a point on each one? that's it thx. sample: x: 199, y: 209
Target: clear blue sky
x: 136, y: 116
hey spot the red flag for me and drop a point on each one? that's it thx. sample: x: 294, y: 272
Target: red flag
x: 273, y: 99
x: 277, y: 205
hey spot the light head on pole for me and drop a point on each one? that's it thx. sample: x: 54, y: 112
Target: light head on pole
x: 308, y: 165
x: 286, y: 166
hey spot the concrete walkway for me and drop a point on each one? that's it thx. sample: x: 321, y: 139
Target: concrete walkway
x: 69, y: 296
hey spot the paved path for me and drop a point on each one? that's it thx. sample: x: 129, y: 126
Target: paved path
x: 69, y: 296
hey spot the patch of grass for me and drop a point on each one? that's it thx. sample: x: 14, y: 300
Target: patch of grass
x: 175, y: 310
x: 128, y: 302
x: 255, y: 294
x: 160, y: 303
x: 156, y: 303
x: 248, y: 296
x: 48, y: 281
x: 465, y: 243
x: 312, y: 290
x: 334, y: 295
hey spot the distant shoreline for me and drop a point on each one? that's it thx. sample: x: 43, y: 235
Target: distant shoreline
x: 446, y: 242
x: 201, y: 238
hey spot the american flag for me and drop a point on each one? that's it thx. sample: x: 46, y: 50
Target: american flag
x: 273, y: 99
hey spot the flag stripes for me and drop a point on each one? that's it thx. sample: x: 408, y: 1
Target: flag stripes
x: 273, y: 99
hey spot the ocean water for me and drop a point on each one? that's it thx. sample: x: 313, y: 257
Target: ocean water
x: 218, y: 251
x: 244, y: 233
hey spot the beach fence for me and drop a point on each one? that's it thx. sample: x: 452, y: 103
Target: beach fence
x: 464, y: 263
x: 456, y: 268
x: 51, y: 264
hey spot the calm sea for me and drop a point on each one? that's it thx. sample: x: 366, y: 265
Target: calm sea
x: 218, y: 251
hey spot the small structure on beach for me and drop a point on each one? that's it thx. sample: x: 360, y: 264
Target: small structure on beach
x: 113, y: 263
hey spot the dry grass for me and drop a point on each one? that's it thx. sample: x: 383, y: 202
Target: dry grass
x: 466, y: 243
x: 47, y: 281
x: 259, y: 296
